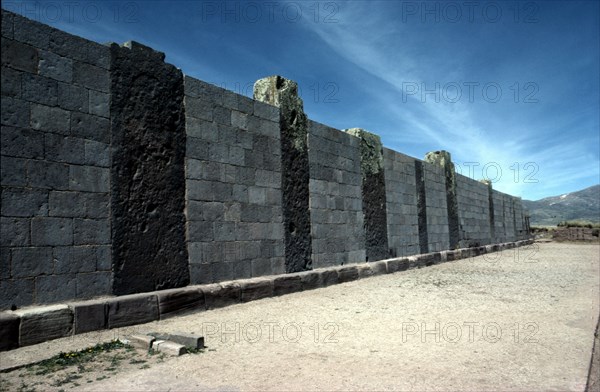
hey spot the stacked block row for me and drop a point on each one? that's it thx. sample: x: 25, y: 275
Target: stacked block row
x: 233, y: 185
x: 55, y: 159
x: 401, y: 203
x: 474, y: 211
x: 337, y: 225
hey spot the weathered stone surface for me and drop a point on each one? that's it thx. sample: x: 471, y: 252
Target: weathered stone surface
x: 42, y: 324
x: 347, y: 274
x: 132, y: 309
x: 364, y: 271
x: 253, y: 289
x: 328, y: 277
x: 452, y: 255
x: 421, y: 207
x: 143, y: 342
x: 185, y: 339
x: 147, y: 174
x: 373, y: 194
x: 416, y: 262
x: 220, y: 295
x: 89, y: 316
x: 403, y: 264
x: 286, y: 284
x: 293, y: 123
x: 379, y: 268
x: 176, y: 301
x: 9, y: 331
x: 310, y: 280
x: 393, y: 265
x: 168, y: 347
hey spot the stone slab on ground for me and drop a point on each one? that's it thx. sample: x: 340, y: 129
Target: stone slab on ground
x: 168, y: 347
x: 185, y: 339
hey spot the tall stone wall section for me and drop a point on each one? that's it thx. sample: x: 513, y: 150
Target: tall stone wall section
x: 337, y: 222
x: 474, y: 212
x: 147, y: 171
x: 401, y: 203
x: 55, y: 160
x: 437, y: 211
x: 120, y: 174
x: 233, y: 181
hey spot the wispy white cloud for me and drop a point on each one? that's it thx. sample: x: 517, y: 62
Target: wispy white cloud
x: 528, y: 164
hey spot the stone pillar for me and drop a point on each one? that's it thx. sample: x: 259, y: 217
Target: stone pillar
x: 491, y: 209
x: 147, y: 173
x: 293, y: 124
x: 442, y: 158
x: 373, y: 194
x: 421, y: 207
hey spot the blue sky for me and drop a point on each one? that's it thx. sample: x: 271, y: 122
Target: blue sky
x: 511, y: 89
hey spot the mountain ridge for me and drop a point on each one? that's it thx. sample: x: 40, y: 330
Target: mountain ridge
x: 579, y: 205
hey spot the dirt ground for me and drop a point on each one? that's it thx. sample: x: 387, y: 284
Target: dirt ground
x: 518, y: 320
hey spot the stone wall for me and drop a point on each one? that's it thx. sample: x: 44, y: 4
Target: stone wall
x: 438, y: 231
x: 337, y: 223
x: 233, y: 181
x: 55, y: 159
x: 401, y: 203
x: 474, y: 212
x: 122, y: 175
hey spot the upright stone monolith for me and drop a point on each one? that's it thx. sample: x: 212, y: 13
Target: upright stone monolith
x: 373, y: 194
x: 293, y: 123
x: 491, y: 209
x: 147, y: 173
x: 421, y: 207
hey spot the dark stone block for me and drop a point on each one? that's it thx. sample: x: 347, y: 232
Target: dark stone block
x: 19, y: 56
x: 220, y: 295
x: 176, y: 301
x: 89, y: 316
x: 379, y: 268
x: 347, y: 274
x: 421, y: 207
x: 286, y: 284
x: 328, y: 277
x: 43, y: 324
x: 132, y: 309
x: 403, y: 264
x: 364, y: 271
x: 254, y: 289
x: 18, y: 292
x: 148, y: 138
x: 453, y: 255
x: 310, y: 280
x: 393, y: 265
x: 9, y: 331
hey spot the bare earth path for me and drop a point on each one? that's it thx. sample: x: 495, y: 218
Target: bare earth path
x: 520, y: 320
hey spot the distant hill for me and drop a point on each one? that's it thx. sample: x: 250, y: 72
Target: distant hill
x: 580, y: 205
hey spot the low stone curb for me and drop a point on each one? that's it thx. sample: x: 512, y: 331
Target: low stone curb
x: 35, y: 325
